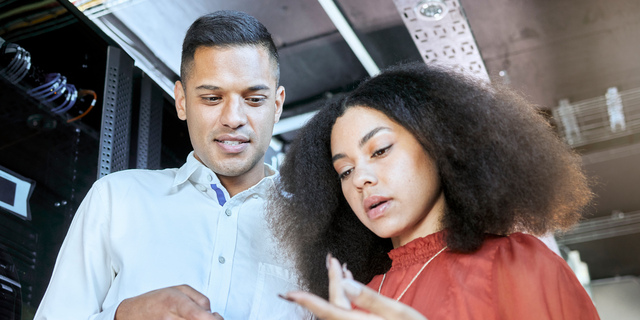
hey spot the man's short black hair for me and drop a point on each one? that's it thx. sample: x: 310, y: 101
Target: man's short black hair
x: 226, y: 28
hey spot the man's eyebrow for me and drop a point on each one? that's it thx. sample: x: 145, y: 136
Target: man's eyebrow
x: 370, y: 135
x: 364, y: 140
x: 251, y: 89
x: 207, y: 87
x: 258, y: 87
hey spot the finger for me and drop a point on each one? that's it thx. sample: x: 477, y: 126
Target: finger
x: 387, y: 308
x: 325, y: 310
x: 347, y: 272
x: 217, y: 316
x: 200, y: 299
x: 192, y: 311
x: 337, y: 295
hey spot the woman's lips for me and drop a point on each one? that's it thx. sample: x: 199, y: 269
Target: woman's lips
x: 375, y: 206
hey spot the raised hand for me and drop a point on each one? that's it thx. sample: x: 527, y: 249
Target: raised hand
x: 343, y: 291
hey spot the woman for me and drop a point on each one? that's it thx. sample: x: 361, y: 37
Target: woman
x: 422, y: 181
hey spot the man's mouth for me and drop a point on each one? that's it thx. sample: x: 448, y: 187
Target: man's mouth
x: 231, y: 142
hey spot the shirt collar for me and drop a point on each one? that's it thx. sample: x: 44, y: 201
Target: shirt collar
x: 187, y: 169
x: 190, y: 170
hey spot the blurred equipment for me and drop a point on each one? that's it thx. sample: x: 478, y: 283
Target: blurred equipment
x: 10, y: 298
x: 15, y: 192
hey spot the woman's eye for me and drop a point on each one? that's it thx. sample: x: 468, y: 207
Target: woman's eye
x: 344, y: 174
x: 380, y: 152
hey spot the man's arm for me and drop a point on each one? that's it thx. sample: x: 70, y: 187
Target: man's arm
x: 82, y: 275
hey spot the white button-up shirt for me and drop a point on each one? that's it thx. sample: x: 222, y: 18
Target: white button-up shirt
x: 141, y: 230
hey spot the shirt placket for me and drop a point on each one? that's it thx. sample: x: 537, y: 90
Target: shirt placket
x: 226, y: 236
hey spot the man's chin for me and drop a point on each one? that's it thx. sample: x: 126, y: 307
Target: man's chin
x: 234, y: 168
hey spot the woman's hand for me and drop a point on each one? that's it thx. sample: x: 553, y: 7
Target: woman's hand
x: 343, y: 291
x: 337, y: 276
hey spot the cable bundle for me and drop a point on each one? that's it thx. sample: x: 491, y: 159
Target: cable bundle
x: 56, y: 87
x: 51, y: 88
x: 19, y: 65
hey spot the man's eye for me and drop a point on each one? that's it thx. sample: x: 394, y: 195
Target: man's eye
x: 211, y: 99
x: 256, y: 100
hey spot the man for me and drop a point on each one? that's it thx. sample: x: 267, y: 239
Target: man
x: 179, y: 243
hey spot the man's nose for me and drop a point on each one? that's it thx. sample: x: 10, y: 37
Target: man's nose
x: 233, y: 114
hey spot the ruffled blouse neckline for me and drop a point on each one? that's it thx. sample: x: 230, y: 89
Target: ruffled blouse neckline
x: 417, y: 251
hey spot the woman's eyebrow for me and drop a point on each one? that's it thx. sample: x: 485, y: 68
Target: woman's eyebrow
x: 337, y: 157
x: 370, y: 135
x: 364, y: 140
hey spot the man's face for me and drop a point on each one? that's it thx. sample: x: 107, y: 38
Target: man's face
x: 231, y: 103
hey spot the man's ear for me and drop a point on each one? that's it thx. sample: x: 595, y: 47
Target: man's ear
x: 181, y: 103
x: 280, y: 95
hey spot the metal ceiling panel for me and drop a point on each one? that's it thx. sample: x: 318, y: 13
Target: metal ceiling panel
x: 447, y: 41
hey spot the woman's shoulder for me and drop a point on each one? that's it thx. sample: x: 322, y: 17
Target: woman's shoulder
x: 523, y: 252
x: 520, y: 254
x: 517, y: 244
x: 525, y: 269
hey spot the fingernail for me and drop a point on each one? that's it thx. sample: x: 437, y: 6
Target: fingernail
x: 352, y: 288
x: 344, y: 268
x: 285, y: 297
x: 329, y: 256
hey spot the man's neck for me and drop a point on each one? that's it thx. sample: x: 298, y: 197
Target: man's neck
x: 237, y: 184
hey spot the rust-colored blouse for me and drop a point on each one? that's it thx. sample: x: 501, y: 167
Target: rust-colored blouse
x: 509, y: 277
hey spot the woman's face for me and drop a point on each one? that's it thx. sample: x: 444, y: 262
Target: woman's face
x: 388, y: 179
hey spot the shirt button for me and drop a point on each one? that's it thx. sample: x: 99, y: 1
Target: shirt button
x: 228, y: 212
x: 202, y: 188
x: 209, y: 177
x: 221, y: 259
x: 255, y: 196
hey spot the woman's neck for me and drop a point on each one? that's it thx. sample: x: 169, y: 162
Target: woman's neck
x: 430, y: 224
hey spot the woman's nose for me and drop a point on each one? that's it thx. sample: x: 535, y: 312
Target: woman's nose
x: 364, y: 175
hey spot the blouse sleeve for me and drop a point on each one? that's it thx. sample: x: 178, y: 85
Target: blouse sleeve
x: 532, y: 282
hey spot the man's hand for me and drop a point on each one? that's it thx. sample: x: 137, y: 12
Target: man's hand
x: 179, y: 302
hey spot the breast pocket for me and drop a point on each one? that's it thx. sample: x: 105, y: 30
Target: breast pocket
x: 274, y: 280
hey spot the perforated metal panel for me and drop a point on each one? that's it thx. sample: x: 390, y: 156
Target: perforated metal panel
x: 150, y: 125
x: 116, y: 113
x: 448, y: 41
